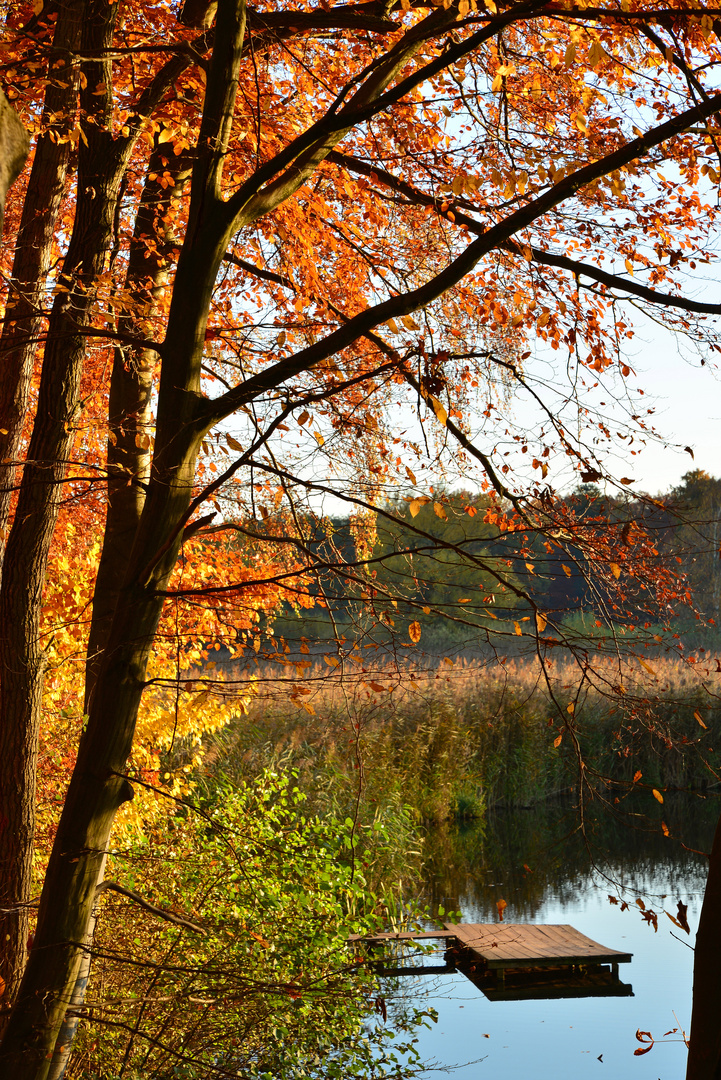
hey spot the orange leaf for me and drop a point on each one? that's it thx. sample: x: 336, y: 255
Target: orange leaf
x: 615, y: 570
x: 439, y: 511
x: 637, y: 776
x: 541, y: 621
x: 501, y: 905
x: 697, y: 717
x: 414, y: 632
x: 657, y: 795
x: 557, y: 741
x: 518, y: 629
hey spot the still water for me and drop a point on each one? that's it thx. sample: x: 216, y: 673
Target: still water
x: 547, y: 872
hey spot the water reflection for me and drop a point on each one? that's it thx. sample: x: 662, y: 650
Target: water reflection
x: 527, y: 857
x: 536, y: 861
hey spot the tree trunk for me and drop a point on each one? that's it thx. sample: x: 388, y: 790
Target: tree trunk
x: 129, y: 411
x: 33, y: 251
x: 25, y: 563
x: 98, y: 787
x: 704, y: 1055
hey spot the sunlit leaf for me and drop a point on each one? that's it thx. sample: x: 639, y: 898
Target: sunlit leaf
x: 657, y: 795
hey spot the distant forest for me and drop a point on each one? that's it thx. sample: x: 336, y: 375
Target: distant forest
x: 451, y: 596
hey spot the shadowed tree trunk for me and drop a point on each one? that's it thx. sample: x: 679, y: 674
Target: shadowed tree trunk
x: 704, y: 1056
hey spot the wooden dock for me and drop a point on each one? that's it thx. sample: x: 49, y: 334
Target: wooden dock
x: 527, y: 945
x: 516, y: 961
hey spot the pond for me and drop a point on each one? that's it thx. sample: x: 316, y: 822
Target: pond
x: 546, y: 872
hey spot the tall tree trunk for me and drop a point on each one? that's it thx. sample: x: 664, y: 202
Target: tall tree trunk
x: 25, y: 563
x: 129, y: 411
x: 98, y: 786
x: 704, y: 1055
x: 128, y: 459
x: 34, y: 248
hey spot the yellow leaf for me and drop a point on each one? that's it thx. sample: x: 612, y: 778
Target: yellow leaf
x: 392, y: 326
x: 256, y: 644
x: 697, y: 717
x: 410, y: 475
x: 414, y: 632
x: 426, y: 611
x: 615, y: 570
x: 447, y: 661
x: 518, y: 628
x: 441, y: 414
x: 571, y: 708
x: 281, y: 338
x: 331, y: 661
x: 439, y: 511
x: 645, y: 666
x: 165, y: 135
x: 629, y: 267
x: 657, y: 795
x: 557, y: 741
x: 529, y: 567
x: 541, y: 621
x: 233, y: 443
x: 319, y: 438
x: 416, y: 504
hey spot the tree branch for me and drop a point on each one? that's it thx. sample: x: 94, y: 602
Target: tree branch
x: 496, y: 236
x: 177, y: 920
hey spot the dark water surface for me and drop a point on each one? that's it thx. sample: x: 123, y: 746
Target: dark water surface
x: 538, y: 862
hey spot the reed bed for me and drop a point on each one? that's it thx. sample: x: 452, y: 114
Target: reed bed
x: 454, y: 738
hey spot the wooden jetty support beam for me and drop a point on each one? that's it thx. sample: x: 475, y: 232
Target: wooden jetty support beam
x: 403, y: 935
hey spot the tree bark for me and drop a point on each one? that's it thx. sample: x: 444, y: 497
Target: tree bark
x: 704, y: 1053
x: 33, y: 251
x: 25, y: 563
x: 129, y: 412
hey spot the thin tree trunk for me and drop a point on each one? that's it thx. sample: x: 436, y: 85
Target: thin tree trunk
x: 33, y: 250
x: 25, y: 563
x: 129, y: 411
x: 704, y: 1055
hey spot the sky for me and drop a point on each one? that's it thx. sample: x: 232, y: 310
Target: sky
x: 687, y: 400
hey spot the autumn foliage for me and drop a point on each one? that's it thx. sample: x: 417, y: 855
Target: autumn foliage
x: 269, y: 261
